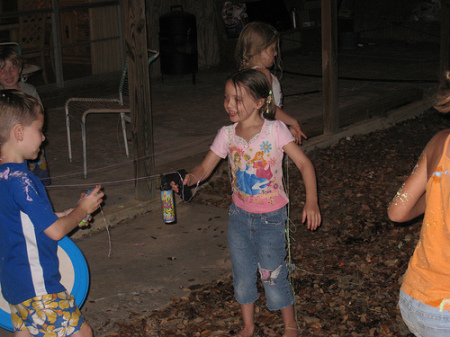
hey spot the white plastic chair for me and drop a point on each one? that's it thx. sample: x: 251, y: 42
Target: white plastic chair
x: 79, y: 108
x: 14, y: 45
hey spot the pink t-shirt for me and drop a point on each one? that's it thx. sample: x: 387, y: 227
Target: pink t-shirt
x: 256, y: 166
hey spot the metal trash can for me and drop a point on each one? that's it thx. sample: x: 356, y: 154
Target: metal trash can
x: 178, y: 43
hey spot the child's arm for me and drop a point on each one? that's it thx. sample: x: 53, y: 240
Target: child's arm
x: 65, y: 224
x: 64, y: 213
x: 409, y: 202
x: 292, y: 123
x: 201, y: 172
x: 311, y: 211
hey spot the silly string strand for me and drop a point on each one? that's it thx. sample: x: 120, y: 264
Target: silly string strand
x: 111, y: 182
x: 290, y: 265
x: 197, y: 184
x: 182, y: 191
x: 107, y: 230
x: 127, y: 162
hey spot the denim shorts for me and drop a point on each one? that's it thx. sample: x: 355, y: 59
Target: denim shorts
x: 424, y: 320
x: 257, y: 242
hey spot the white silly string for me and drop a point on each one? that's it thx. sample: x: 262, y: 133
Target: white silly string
x: 127, y: 162
x: 107, y: 231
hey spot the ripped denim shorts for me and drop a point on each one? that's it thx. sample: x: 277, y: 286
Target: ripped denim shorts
x: 257, y: 244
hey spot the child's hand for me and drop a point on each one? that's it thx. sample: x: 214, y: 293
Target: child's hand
x: 297, y: 133
x: 174, y: 187
x: 186, y: 181
x: 91, y: 202
x: 311, y: 214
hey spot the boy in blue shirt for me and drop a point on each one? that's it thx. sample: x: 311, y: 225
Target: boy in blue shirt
x: 30, y: 229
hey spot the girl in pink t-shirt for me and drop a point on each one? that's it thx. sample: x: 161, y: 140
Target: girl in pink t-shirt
x: 256, y: 234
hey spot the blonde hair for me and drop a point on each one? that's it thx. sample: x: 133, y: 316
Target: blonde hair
x: 254, y: 38
x: 17, y: 107
x: 442, y: 100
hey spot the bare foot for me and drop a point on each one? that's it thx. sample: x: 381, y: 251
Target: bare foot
x: 290, y: 332
x: 246, y: 332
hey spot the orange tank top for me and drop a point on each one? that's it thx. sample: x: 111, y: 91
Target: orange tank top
x: 428, y: 276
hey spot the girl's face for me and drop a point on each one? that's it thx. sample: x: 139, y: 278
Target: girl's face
x: 238, y: 103
x: 33, y: 137
x: 9, y: 76
x: 267, y: 57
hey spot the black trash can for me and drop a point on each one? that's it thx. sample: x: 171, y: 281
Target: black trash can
x: 178, y: 43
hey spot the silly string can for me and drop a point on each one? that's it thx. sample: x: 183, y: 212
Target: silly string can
x: 168, y: 204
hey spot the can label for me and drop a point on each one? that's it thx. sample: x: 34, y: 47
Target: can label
x: 168, y: 206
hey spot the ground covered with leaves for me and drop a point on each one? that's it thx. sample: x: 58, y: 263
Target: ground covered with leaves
x: 348, y: 272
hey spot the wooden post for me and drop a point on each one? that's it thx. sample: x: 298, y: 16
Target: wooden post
x: 445, y: 36
x: 56, y: 29
x: 330, y: 67
x: 135, y: 26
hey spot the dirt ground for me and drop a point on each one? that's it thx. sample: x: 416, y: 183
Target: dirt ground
x: 348, y: 272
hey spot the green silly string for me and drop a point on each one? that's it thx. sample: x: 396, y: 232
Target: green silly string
x: 290, y: 265
x: 268, y: 101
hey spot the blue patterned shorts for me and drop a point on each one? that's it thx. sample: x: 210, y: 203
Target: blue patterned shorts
x: 48, y: 315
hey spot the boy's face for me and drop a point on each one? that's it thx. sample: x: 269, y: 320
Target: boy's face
x: 32, y: 138
x: 9, y: 76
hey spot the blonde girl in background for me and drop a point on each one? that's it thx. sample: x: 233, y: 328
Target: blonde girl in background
x: 258, y: 47
x: 425, y: 292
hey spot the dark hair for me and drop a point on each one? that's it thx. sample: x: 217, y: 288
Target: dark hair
x: 9, y: 54
x: 16, y: 107
x: 442, y: 99
x: 254, y: 38
x: 258, y: 87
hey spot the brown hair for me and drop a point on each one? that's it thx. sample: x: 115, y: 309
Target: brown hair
x: 254, y: 38
x: 258, y: 87
x: 9, y: 54
x: 17, y: 107
x: 442, y: 100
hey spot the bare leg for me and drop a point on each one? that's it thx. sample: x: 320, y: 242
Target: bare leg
x: 23, y: 333
x: 248, y: 311
x: 85, y: 331
x: 290, y: 324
